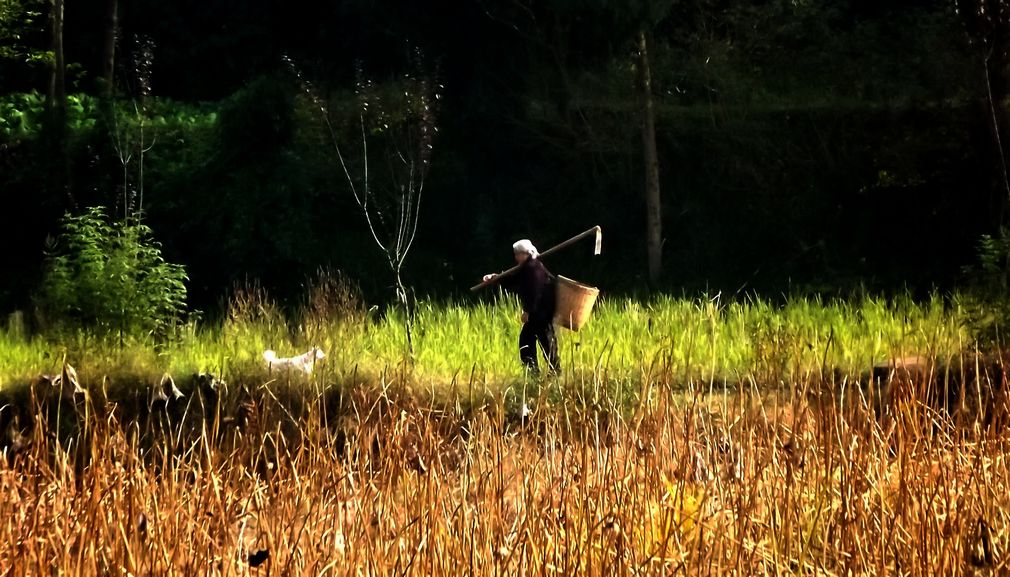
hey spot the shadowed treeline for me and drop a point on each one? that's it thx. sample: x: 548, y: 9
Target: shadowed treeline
x: 788, y: 157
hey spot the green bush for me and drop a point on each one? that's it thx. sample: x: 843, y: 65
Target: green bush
x: 22, y: 114
x: 991, y: 272
x: 109, y: 276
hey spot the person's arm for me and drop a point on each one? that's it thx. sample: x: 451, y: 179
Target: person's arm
x: 507, y: 282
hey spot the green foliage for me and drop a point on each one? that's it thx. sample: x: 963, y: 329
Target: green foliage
x: 22, y: 115
x: 991, y: 272
x: 109, y: 277
x: 244, y: 184
x: 20, y: 18
x: 257, y: 119
x: 987, y: 280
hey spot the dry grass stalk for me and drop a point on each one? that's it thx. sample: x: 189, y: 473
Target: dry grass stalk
x: 710, y: 486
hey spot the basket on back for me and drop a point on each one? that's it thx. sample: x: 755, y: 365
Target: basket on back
x: 574, y: 303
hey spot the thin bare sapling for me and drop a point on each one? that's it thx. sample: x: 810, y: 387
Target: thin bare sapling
x: 129, y: 139
x: 393, y: 127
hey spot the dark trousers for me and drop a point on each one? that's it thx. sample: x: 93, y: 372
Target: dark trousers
x: 542, y: 331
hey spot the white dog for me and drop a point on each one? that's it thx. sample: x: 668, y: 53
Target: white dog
x: 303, y: 362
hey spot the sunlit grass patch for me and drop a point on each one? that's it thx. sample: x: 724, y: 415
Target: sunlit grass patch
x: 675, y: 341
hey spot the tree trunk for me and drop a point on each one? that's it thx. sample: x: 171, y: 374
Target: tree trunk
x: 56, y: 102
x: 653, y: 206
x: 57, y: 85
x: 408, y: 311
x: 109, y: 51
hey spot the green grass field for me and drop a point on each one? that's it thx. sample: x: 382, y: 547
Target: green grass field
x: 461, y: 346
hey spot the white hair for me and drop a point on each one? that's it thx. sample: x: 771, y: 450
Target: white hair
x: 525, y: 246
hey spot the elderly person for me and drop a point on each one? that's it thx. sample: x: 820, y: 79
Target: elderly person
x: 535, y: 287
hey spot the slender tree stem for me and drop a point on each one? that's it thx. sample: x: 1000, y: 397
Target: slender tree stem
x: 653, y: 204
x: 996, y: 133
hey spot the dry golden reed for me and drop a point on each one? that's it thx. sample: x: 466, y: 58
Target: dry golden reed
x: 365, y: 484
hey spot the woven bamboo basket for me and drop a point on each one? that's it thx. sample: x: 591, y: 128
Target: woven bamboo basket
x: 574, y: 303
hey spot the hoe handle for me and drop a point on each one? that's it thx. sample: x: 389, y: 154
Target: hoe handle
x: 596, y: 230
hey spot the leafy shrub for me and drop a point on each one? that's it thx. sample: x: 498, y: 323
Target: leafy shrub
x: 22, y: 114
x: 109, y: 276
x: 988, y: 279
x: 991, y: 272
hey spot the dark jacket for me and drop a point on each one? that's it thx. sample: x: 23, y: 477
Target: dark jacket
x: 535, y: 286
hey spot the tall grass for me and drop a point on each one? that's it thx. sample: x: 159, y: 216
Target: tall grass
x: 734, y: 485
x: 668, y: 340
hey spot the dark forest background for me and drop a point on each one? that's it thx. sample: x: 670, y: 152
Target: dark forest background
x: 815, y: 145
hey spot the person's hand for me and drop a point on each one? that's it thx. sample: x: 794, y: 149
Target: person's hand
x: 488, y: 277
x: 525, y: 317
